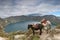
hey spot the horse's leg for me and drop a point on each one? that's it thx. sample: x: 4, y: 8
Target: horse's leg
x: 47, y: 31
x: 40, y: 31
x: 33, y: 31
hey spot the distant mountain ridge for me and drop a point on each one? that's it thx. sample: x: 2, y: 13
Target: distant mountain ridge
x: 35, y: 14
x: 15, y: 19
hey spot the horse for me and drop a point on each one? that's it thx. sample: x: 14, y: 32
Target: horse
x: 47, y: 26
x: 38, y: 27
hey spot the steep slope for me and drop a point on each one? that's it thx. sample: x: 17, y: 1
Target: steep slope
x: 14, y: 19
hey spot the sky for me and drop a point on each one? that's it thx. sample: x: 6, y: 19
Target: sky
x: 23, y: 7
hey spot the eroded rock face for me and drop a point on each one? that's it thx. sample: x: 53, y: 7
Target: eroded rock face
x: 55, y: 34
x: 2, y: 38
x: 57, y: 37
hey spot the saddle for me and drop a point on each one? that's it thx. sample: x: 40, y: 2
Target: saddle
x: 35, y: 26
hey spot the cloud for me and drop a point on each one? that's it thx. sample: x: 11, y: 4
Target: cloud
x: 23, y: 7
x: 52, y: 2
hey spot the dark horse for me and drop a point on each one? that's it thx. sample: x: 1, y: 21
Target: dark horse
x: 39, y: 27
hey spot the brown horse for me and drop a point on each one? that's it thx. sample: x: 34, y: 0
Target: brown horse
x: 36, y: 27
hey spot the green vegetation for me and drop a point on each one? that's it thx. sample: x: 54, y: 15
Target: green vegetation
x: 35, y: 37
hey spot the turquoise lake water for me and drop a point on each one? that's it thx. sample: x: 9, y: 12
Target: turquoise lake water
x: 19, y: 26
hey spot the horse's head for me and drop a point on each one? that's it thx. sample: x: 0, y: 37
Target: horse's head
x: 29, y: 26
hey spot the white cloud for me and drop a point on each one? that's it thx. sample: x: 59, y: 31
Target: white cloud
x: 27, y: 7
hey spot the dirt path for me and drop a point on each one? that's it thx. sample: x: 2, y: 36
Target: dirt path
x: 44, y: 36
x: 49, y: 36
x: 57, y: 37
